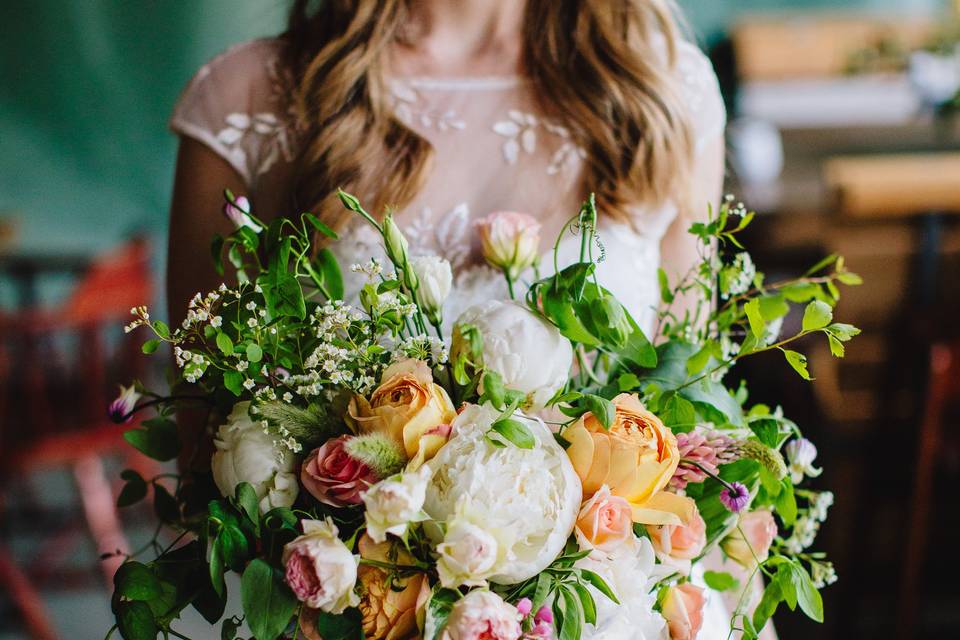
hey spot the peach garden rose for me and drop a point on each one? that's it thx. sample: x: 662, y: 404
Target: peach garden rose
x: 678, y: 544
x: 388, y: 605
x: 605, y: 522
x: 683, y: 610
x: 409, y: 407
x: 635, y: 458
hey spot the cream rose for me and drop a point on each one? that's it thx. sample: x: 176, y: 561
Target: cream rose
x: 435, y: 277
x: 467, y: 556
x: 320, y: 569
x: 409, y: 407
x: 394, y: 503
x: 678, y: 544
x: 528, y: 352
x: 605, y: 522
x: 247, y: 453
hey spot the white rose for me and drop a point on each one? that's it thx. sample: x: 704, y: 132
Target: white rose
x: 320, y: 569
x: 527, y: 498
x: 435, y: 277
x: 394, y: 503
x: 247, y: 453
x: 482, y: 614
x: 468, y: 554
x: 528, y: 352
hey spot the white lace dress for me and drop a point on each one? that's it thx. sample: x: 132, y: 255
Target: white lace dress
x: 493, y: 152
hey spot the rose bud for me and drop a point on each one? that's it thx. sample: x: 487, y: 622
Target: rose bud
x: 334, y: 477
x: 683, y: 610
x: 510, y: 240
x: 238, y: 212
x: 750, y: 541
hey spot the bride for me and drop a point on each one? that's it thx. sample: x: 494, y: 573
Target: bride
x: 447, y: 110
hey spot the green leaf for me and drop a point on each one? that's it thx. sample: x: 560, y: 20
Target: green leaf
x: 773, y: 307
x: 216, y: 252
x: 133, y: 491
x: 157, y: 439
x: 786, y: 503
x: 811, y: 603
x: 516, y: 432
x: 757, y: 326
x: 679, y: 414
x: 247, y: 499
x: 135, y: 621
x: 150, y: 346
x: 599, y: 584
x: 823, y: 264
x: 843, y: 332
x: 225, y: 344
x: 817, y: 315
x: 587, y: 603
x: 601, y: 408
x: 720, y: 580
x: 573, y: 617
x: 233, y: 381
x: 493, y: 390
x: 798, y: 361
x: 438, y: 610
x: 319, y: 226
x: 268, y: 603
x: 772, y: 596
x: 136, y: 581
x: 161, y: 328
x: 344, y: 626
x: 326, y: 265
x: 666, y: 295
x: 254, y: 352
x: 164, y: 504
x: 849, y: 278
x: 837, y: 349
x: 767, y: 431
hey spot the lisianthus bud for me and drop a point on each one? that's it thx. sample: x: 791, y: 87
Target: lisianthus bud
x: 395, y: 242
x: 800, y: 454
x: 511, y: 240
x: 122, y: 406
x: 434, y: 278
x: 238, y: 212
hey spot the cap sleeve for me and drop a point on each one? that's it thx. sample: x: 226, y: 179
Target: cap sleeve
x: 701, y: 91
x: 236, y: 105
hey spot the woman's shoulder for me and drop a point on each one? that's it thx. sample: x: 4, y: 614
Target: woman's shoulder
x: 237, y: 104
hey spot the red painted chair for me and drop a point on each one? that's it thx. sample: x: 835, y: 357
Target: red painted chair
x: 56, y: 369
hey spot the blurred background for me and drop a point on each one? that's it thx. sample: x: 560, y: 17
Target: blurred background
x: 844, y: 134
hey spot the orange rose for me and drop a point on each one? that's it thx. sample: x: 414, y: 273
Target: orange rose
x: 678, y: 544
x: 389, y: 611
x: 636, y: 458
x: 410, y: 408
x: 605, y: 521
x: 683, y: 610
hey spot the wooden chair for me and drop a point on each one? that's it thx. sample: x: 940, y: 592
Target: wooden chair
x: 56, y: 369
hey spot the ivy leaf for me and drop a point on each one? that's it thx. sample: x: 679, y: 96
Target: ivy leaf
x: 157, y: 439
x: 798, y: 361
x: 516, y: 432
x: 136, y: 581
x: 135, y: 621
x: 268, y: 603
x: 133, y: 491
x: 817, y: 315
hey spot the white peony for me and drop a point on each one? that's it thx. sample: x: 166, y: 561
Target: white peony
x: 528, y: 352
x: 247, y: 453
x: 527, y: 498
x: 631, y: 573
x: 435, y: 279
x: 394, y: 503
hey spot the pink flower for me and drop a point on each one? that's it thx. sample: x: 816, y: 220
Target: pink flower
x: 677, y: 545
x: 483, y: 615
x: 605, y: 521
x: 319, y: 568
x: 524, y: 607
x: 750, y: 541
x: 705, y: 448
x: 542, y: 625
x: 510, y: 240
x: 334, y: 477
x: 121, y: 409
x: 683, y: 610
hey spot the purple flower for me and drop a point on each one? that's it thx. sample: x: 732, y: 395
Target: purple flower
x: 120, y: 410
x: 735, y: 497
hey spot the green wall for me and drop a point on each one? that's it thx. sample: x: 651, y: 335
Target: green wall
x: 87, y: 86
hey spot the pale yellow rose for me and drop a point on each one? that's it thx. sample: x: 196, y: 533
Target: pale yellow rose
x: 683, y: 610
x: 389, y: 606
x: 636, y: 458
x: 410, y: 408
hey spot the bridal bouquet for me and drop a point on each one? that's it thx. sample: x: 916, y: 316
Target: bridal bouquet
x: 546, y: 472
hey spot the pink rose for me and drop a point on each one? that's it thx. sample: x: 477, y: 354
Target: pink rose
x: 333, y: 476
x: 510, y: 240
x: 749, y: 543
x: 683, y: 611
x: 483, y: 615
x: 319, y: 568
x: 678, y: 544
x: 605, y: 521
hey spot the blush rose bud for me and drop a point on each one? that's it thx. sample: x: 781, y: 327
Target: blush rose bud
x: 320, y: 570
x: 120, y: 410
x: 510, y: 240
x: 750, y: 541
x: 683, y: 610
x: 238, y: 212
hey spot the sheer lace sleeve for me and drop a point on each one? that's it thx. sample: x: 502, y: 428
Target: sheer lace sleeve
x: 236, y: 105
x: 702, y: 93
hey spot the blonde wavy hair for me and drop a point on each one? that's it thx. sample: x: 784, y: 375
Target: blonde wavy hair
x: 623, y: 108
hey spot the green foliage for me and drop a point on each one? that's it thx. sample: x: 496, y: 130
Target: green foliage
x: 157, y: 439
x: 268, y: 603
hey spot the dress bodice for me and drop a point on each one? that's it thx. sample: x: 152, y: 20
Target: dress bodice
x: 492, y: 152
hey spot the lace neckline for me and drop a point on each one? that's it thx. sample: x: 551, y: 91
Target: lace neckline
x: 461, y: 83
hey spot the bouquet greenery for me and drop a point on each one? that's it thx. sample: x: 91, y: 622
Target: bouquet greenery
x: 548, y: 470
